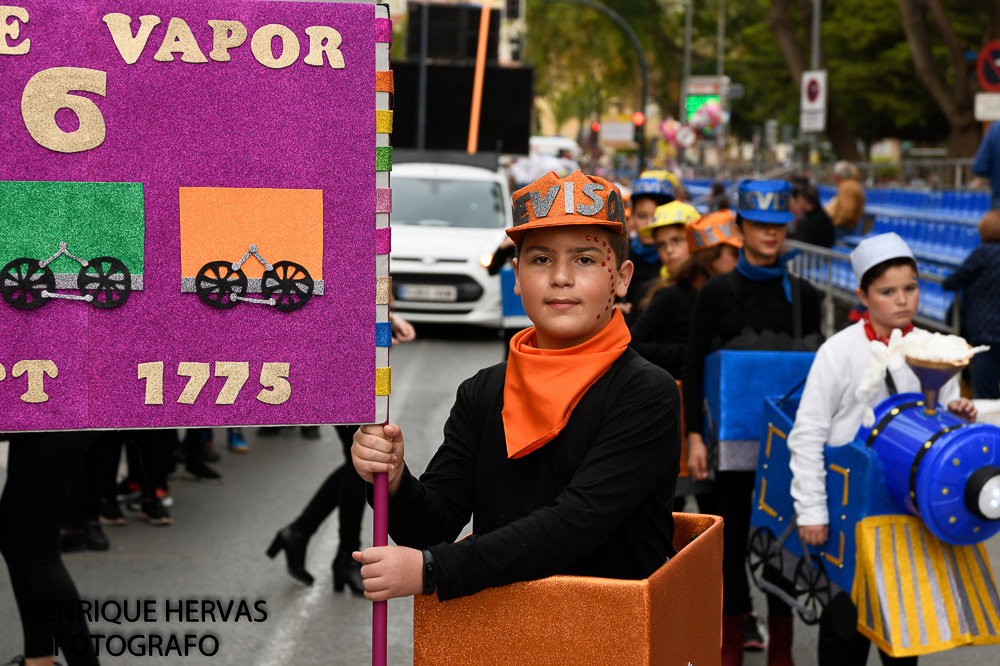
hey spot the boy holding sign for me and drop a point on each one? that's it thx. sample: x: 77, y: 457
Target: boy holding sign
x: 565, y: 456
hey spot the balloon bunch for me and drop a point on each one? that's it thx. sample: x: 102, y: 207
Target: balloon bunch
x: 668, y: 128
x: 707, y: 117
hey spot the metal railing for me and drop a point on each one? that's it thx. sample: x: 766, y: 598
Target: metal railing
x: 819, y: 261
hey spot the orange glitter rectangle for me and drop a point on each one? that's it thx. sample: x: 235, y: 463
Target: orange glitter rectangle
x: 220, y: 223
x: 384, y: 82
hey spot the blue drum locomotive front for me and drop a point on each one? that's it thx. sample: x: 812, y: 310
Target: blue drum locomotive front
x: 939, y: 467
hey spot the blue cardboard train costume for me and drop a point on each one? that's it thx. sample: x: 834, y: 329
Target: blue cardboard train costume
x: 911, y: 500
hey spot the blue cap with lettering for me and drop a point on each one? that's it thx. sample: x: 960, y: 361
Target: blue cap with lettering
x: 765, y: 201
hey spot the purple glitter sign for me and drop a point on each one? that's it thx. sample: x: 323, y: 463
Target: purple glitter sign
x: 200, y: 121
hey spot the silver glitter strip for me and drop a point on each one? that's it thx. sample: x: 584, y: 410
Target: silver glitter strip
x: 904, y: 622
x: 958, y: 591
x: 915, y: 582
x: 991, y: 589
x: 381, y: 220
x: 69, y: 281
x: 940, y: 613
x: 987, y: 630
x: 738, y: 455
x: 381, y: 140
x: 880, y: 591
x: 381, y: 408
x: 253, y: 286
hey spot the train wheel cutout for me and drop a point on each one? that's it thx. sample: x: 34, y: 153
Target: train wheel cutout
x: 23, y: 281
x: 218, y: 285
x: 107, y: 281
x: 812, y: 582
x: 763, y: 555
x: 288, y: 284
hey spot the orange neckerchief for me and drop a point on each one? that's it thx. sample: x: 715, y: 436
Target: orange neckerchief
x: 543, y: 386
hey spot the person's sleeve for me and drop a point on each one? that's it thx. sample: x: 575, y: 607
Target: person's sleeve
x: 435, y: 507
x: 809, y: 436
x: 635, y: 447
x: 965, y: 273
x: 651, y: 332
x: 703, y: 324
x: 982, y: 165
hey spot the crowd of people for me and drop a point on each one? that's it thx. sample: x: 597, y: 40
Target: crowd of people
x: 566, y: 455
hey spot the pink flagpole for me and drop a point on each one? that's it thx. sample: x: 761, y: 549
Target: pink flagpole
x: 380, y: 537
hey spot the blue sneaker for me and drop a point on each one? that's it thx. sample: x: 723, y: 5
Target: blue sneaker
x: 237, y: 444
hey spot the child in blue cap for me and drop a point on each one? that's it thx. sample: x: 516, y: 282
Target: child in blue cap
x: 732, y: 311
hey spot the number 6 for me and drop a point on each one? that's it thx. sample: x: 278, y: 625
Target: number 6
x: 48, y: 91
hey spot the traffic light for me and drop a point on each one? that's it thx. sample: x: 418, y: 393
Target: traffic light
x: 639, y: 120
x: 595, y: 127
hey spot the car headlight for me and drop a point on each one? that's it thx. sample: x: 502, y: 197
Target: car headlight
x: 486, y: 260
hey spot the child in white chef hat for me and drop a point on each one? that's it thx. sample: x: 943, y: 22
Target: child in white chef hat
x: 831, y: 410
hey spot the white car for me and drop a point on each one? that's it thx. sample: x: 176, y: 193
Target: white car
x: 447, y: 221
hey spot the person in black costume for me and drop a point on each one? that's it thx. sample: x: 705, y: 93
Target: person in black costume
x: 661, y: 332
x: 342, y: 488
x: 565, y: 456
x: 40, y: 467
x: 749, y: 308
x: 814, y: 224
x: 651, y: 190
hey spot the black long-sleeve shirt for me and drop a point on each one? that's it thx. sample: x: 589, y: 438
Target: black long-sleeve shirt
x: 725, y: 306
x: 595, y: 501
x: 660, y: 334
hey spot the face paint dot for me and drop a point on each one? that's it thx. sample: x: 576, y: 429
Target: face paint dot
x: 612, y: 291
x: 596, y: 239
x: 588, y: 237
x: 605, y: 243
x: 603, y: 264
x: 605, y: 307
x: 598, y: 316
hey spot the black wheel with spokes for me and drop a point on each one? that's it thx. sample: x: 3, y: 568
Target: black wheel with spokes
x: 217, y: 283
x: 815, y: 585
x: 107, y: 281
x: 289, y: 284
x: 22, y: 282
x: 763, y: 555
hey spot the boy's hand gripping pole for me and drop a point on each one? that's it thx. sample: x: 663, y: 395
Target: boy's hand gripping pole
x: 380, y: 537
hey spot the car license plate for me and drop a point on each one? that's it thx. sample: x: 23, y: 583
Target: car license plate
x: 428, y: 292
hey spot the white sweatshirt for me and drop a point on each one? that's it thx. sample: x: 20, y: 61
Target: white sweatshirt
x: 830, y: 414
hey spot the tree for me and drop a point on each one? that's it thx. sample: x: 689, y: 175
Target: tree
x: 842, y: 137
x: 946, y: 78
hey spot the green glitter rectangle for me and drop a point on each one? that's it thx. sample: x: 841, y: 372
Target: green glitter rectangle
x: 383, y: 158
x: 93, y: 219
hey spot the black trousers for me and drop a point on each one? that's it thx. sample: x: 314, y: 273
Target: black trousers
x: 834, y: 650
x: 734, y: 502
x: 40, y: 467
x: 343, y: 488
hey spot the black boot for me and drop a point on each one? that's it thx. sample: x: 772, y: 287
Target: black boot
x: 294, y: 544
x: 347, y: 572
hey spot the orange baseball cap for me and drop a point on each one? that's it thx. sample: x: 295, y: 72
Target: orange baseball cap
x: 552, y: 201
x: 713, y: 229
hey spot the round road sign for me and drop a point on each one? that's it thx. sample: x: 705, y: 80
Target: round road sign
x: 812, y: 90
x: 988, y: 67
